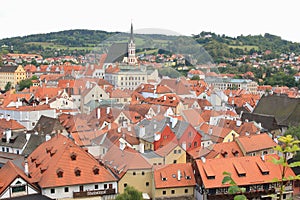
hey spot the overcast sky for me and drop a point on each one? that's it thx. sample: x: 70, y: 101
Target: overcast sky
x: 229, y: 17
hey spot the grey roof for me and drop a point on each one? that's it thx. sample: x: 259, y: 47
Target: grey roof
x: 151, y: 154
x: 48, y: 125
x: 154, y: 126
x: 117, y: 52
x: 8, y: 68
x: 33, y: 143
x: 268, y: 122
x: 285, y: 110
x: 4, y: 157
x: 18, y: 140
x: 31, y: 197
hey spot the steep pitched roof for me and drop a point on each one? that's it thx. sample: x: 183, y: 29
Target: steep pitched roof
x: 9, y: 172
x: 47, y: 125
x: 286, y: 110
x: 174, y: 175
x: 57, y: 155
x: 179, y: 86
x: 122, y: 160
x: 256, y: 142
x: 219, y: 150
x: 211, y: 171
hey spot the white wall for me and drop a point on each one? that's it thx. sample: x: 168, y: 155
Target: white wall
x: 60, y: 191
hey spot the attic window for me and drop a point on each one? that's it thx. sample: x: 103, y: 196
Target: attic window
x: 77, y: 171
x: 96, y: 170
x: 163, y: 176
x: 52, y: 152
x: 73, y: 156
x: 239, y: 169
x: 48, y: 149
x: 59, y: 173
x: 263, y: 168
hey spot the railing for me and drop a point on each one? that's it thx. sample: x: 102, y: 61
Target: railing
x: 93, y: 193
x: 251, y: 194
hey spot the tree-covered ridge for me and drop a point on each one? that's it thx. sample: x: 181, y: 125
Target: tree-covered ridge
x: 221, y: 47
x: 81, y: 42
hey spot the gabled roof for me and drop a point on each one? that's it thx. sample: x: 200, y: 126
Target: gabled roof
x: 267, y: 121
x: 122, y: 160
x: 219, y: 150
x: 285, y: 110
x: 9, y: 172
x: 174, y: 175
x: 193, y: 117
x: 166, y: 149
x: 252, y: 170
x: 179, y: 86
x: 257, y: 142
x: 47, y: 125
x: 58, y: 154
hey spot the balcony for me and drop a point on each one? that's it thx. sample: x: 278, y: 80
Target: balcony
x: 93, y: 193
x: 250, y: 195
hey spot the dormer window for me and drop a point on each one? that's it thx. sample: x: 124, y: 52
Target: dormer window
x: 59, y: 173
x: 77, y: 171
x: 73, y: 156
x: 96, y: 170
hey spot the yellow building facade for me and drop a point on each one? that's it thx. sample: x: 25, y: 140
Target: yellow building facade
x: 12, y: 74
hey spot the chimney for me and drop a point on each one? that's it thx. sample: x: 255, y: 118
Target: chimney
x: 8, y: 135
x: 28, y: 136
x: 47, y: 137
x: 178, y: 175
x: 128, y: 128
x: 142, y: 132
x: 238, y: 123
x: 1, y: 116
x: 183, y: 145
x: 98, y: 113
x: 141, y: 148
x: 119, y: 129
x: 210, y: 131
x: 26, y: 170
x: 203, y: 159
x: 107, y: 110
x: 47, y: 100
x: 165, y: 98
x: 174, y: 121
x: 7, y: 117
x: 109, y: 126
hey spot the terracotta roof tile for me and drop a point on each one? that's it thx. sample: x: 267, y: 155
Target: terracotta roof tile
x: 57, y: 154
x: 249, y: 164
x: 256, y: 142
x: 167, y: 176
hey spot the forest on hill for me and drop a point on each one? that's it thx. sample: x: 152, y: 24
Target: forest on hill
x: 81, y: 42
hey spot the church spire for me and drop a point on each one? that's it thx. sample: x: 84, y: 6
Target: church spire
x: 131, y: 32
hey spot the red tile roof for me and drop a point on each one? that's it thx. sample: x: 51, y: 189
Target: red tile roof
x: 8, y: 173
x: 256, y: 142
x: 249, y: 164
x: 56, y: 155
x: 167, y: 176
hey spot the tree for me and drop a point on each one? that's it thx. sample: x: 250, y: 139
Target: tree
x: 195, y: 77
x: 7, y: 86
x: 288, y: 146
x: 24, y: 84
x: 130, y: 193
x: 234, y: 188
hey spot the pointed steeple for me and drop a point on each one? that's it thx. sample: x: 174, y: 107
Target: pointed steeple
x: 131, y: 32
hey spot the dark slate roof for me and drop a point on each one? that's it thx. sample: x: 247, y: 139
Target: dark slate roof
x: 8, y: 68
x: 18, y: 140
x: 33, y: 143
x: 48, y: 125
x: 268, y: 122
x: 284, y: 109
x: 117, y: 52
x: 31, y: 197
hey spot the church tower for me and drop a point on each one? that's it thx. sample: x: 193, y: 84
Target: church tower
x: 131, y: 49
